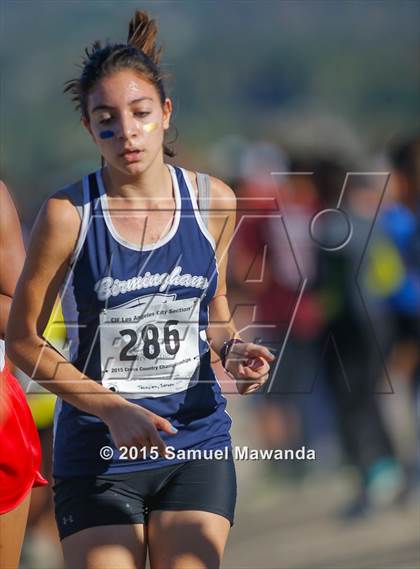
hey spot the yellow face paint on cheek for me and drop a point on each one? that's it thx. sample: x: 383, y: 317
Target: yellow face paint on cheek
x: 149, y: 127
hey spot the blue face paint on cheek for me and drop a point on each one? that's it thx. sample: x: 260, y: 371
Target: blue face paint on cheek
x: 106, y: 134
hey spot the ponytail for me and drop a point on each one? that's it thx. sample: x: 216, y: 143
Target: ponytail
x: 142, y: 32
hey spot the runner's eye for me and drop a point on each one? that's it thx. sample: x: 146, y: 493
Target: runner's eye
x: 142, y: 114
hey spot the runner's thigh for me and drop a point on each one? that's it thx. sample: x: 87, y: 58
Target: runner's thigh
x: 12, y: 531
x: 187, y: 539
x: 106, y: 547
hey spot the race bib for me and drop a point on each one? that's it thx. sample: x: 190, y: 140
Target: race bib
x: 150, y: 345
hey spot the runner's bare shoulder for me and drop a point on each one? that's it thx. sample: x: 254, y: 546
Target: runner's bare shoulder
x: 59, y: 221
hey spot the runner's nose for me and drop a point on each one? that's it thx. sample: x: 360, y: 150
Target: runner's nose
x: 128, y: 128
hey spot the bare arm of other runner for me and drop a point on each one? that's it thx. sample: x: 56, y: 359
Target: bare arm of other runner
x: 12, y: 254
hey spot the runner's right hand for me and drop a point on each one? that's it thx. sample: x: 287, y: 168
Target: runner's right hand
x: 131, y: 425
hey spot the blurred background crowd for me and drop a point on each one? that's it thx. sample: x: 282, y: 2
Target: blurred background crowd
x: 310, y: 111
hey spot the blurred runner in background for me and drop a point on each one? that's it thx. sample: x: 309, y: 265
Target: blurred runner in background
x: 400, y: 221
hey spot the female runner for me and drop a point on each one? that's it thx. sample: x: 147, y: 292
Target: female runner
x: 143, y: 292
x: 20, y: 451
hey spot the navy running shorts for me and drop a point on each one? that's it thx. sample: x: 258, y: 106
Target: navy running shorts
x: 128, y: 498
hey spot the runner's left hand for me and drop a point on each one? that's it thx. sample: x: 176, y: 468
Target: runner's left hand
x: 249, y: 364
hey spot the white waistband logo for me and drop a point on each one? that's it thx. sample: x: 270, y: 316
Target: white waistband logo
x: 107, y: 287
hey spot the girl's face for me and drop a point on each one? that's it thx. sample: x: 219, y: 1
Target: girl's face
x: 127, y: 120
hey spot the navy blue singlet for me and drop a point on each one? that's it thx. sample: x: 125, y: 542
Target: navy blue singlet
x: 136, y: 318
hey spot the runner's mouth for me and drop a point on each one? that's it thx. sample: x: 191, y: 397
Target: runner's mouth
x: 132, y: 155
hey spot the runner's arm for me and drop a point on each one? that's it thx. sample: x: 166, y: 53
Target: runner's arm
x: 221, y: 226
x: 52, y: 243
x: 248, y: 363
x: 12, y: 254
